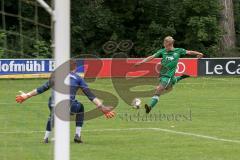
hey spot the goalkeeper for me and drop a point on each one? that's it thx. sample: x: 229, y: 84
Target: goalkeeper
x: 76, y: 82
x: 170, y: 57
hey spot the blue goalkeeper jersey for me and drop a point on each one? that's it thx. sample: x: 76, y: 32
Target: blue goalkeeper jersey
x: 76, y: 83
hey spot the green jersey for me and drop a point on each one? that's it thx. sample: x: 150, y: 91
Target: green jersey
x: 169, y: 60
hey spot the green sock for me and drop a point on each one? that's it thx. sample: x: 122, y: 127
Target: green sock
x: 154, y: 101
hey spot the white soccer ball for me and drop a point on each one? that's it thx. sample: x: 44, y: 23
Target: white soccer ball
x: 136, y: 103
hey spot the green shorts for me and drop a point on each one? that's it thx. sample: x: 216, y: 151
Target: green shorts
x: 167, y: 81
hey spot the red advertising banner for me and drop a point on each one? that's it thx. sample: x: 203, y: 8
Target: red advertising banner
x: 106, y: 68
x: 187, y: 66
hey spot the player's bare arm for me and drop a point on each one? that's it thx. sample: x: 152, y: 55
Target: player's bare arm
x: 145, y: 60
x: 195, y: 53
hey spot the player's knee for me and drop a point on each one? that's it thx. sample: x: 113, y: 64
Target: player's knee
x: 169, y: 88
x: 79, y: 108
x: 75, y: 108
x: 160, y: 89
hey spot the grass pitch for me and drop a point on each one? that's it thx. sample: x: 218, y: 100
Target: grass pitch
x: 198, y: 120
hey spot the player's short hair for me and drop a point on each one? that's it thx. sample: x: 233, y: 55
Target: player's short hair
x: 73, y: 64
x: 169, y: 39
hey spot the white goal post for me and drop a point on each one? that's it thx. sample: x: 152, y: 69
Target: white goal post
x: 61, y: 23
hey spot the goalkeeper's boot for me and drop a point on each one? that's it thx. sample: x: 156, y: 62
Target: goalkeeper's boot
x: 46, y: 141
x: 147, y: 108
x: 77, y: 139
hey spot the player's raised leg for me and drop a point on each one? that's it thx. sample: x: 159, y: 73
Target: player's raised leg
x: 159, y: 90
x: 179, y: 78
x: 165, y: 83
x: 167, y: 90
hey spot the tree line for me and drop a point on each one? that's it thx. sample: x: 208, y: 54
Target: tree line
x: 210, y: 26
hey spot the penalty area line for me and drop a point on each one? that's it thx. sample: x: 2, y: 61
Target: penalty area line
x: 141, y: 129
x: 169, y: 131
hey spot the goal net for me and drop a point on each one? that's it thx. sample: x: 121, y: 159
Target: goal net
x: 25, y: 27
x: 29, y: 28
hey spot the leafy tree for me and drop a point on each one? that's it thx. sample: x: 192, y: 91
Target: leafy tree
x: 2, y: 36
x: 237, y: 20
x: 194, y: 25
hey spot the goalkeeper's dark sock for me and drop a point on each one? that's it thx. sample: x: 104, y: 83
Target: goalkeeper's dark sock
x: 48, y: 127
x: 154, y: 101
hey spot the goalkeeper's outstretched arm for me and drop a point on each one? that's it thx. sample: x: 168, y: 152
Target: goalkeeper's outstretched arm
x: 24, y: 96
x: 107, y: 110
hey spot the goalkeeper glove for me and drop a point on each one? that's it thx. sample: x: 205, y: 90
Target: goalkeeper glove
x: 22, y: 97
x: 110, y: 114
x: 107, y: 111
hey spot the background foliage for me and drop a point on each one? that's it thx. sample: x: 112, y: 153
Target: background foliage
x: 237, y: 20
x: 194, y: 25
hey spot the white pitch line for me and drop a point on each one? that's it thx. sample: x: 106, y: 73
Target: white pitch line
x: 210, y: 99
x: 197, y: 135
x: 141, y: 129
x: 169, y: 131
x: 21, y: 132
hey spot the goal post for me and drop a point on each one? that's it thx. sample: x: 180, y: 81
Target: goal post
x: 61, y: 45
x: 46, y: 6
x: 61, y: 19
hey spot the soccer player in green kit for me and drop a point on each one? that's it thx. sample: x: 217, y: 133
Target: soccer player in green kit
x: 168, y: 66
